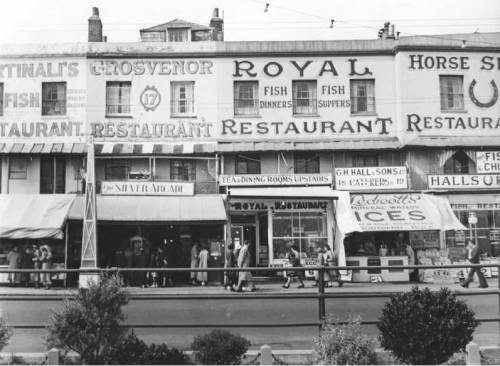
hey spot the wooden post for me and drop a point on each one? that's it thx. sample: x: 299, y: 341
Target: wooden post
x: 53, y: 357
x: 266, y: 355
x: 472, y: 357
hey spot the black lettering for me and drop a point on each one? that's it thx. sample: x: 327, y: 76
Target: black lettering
x: 413, y: 119
x: 301, y: 69
x: 279, y: 69
x: 247, y: 69
x: 415, y: 59
x: 228, y: 124
x: 487, y: 63
x: 352, y: 63
x: 330, y: 68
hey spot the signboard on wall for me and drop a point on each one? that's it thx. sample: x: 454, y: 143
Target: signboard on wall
x: 275, y: 179
x: 147, y: 188
x: 363, y: 178
x: 488, y: 162
x: 395, y: 212
x: 463, y: 181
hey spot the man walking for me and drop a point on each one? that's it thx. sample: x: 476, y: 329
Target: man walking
x: 474, y: 259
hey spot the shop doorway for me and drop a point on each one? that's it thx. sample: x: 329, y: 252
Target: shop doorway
x: 242, y: 232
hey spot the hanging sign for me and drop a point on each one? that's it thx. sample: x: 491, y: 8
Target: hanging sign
x: 275, y: 179
x: 362, y: 178
x: 464, y: 181
x: 147, y: 188
x: 488, y: 162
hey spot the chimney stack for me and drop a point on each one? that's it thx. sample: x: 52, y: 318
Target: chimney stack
x: 387, y: 32
x: 218, y: 25
x: 95, y: 26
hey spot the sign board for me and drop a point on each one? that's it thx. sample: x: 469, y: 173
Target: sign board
x: 283, y: 205
x: 275, y: 179
x: 395, y: 212
x: 463, y: 181
x: 488, y: 162
x: 147, y: 188
x: 364, y: 178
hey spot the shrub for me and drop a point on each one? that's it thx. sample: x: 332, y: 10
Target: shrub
x: 90, y: 324
x: 133, y: 351
x: 219, y: 347
x: 425, y: 327
x: 5, y: 333
x: 343, y: 344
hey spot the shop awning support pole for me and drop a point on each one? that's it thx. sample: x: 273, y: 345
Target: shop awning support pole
x: 321, y: 297
x: 498, y: 280
x: 66, y: 254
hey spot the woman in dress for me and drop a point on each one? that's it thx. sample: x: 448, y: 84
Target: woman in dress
x: 331, y: 261
x: 14, y: 261
x: 46, y: 260
x: 293, y: 256
x: 203, y: 262
x: 244, y: 262
x: 194, y: 262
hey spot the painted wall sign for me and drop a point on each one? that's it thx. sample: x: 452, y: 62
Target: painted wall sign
x: 150, y: 67
x: 477, y: 206
x: 394, y: 212
x: 485, y: 104
x: 175, y: 129
x: 464, y: 181
x: 285, y: 205
x: 390, y: 177
x: 41, y: 129
x: 433, y: 62
x: 39, y: 70
x: 418, y: 123
x: 488, y: 162
x: 275, y: 179
x: 150, y: 98
x: 147, y: 188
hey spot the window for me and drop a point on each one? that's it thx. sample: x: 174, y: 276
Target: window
x: 53, y: 99
x: 306, y: 163
x: 177, y: 35
x: 18, y: 167
x: 182, y: 98
x: 183, y: 170
x: 118, y: 97
x: 246, y: 98
x: 117, y: 169
x: 247, y: 164
x: 363, y: 96
x: 304, y: 97
x: 362, y: 160
x: 52, y: 174
x: 458, y: 163
x: 452, y: 92
x: 1, y: 99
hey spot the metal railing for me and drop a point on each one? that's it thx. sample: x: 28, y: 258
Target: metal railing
x: 320, y: 295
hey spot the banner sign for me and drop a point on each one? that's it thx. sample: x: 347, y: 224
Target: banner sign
x: 284, y: 205
x: 394, y: 212
x: 464, y: 181
x: 488, y: 162
x: 275, y: 179
x: 147, y: 188
x: 351, y: 179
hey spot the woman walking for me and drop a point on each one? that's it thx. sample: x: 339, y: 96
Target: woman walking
x: 244, y: 262
x: 37, y: 264
x: 26, y: 263
x: 331, y: 261
x: 194, y: 262
x: 293, y: 256
x: 231, y: 276
x: 46, y: 260
x: 14, y: 261
x: 203, y: 262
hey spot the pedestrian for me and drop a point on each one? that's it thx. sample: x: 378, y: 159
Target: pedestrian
x: 231, y: 276
x: 128, y: 277
x: 26, y: 263
x: 46, y: 260
x: 320, y: 251
x: 411, y: 262
x: 293, y: 256
x: 244, y: 277
x: 331, y: 261
x: 194, y: 262
x: 141, y: 262
x: 14, y: 262
x: 474, y: 258
x: 37, y: 264
x: 203, y: 263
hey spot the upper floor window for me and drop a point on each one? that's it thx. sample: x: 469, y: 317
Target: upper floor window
x: 306, y: 163
x: 451, y: 88
x: 182, y: 98
x: 247, y: 164
x: 183, y: 170
x: 458, y: 163
x: 18, y: 167
x: 246, y: 98
x: 1, y: 99
x: 52, y: 174
x: 54, y: 99
x: 304, y: 97
x: 118, y: 97
x: 117, y: 169
x: 362, y: 95
x: 364, y: 160
x: 177, y: 35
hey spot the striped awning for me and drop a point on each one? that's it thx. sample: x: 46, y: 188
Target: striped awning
x: 152, y: 148
x: 444, y: 141
x: 42, y: 148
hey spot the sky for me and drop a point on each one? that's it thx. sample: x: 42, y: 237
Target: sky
x: 44, y: 21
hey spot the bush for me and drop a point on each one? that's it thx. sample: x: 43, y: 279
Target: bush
x: 133, y: 351
x: 90, y: 324
x: 424, y: 327
x: 5, y: 333
x: 219, y: 347
x: 343, y: 344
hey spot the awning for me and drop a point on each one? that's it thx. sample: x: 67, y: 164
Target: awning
x: 209, y: 207
x: 149, y: 148
x: 403, y: 212
x: 25, y: 216
x: 42, y: 148
x: 443, y: 141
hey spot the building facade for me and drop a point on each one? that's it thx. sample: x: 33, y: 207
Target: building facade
x: 212, y: 142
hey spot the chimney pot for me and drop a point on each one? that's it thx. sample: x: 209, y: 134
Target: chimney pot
x: 95, y: 11
x: 215, y: 13
x: 95, y: 26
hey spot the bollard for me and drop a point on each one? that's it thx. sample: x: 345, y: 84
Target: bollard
x: 53, y: 357
x: 472, y: 357
x: 266, y: 355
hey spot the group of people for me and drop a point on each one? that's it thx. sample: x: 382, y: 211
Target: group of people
x: 239, y: 258
x: 32, y: 257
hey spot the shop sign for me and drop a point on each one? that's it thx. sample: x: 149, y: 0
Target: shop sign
x: 278, y: 205
x: 175, y: 129
x: 475, y: 206
x: 150, y: 67
x: 394, y: 212
x: 351, y: 179
x: 147, y: 188
x: 275, y: 179
x: 15, y: 130
x: 39, y: 70
x: 488, y: 162
x: 464, y: 181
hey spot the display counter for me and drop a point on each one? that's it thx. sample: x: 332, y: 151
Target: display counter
x: 378, y: 275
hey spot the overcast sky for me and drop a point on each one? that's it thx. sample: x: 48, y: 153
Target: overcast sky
x: 40, y: 21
